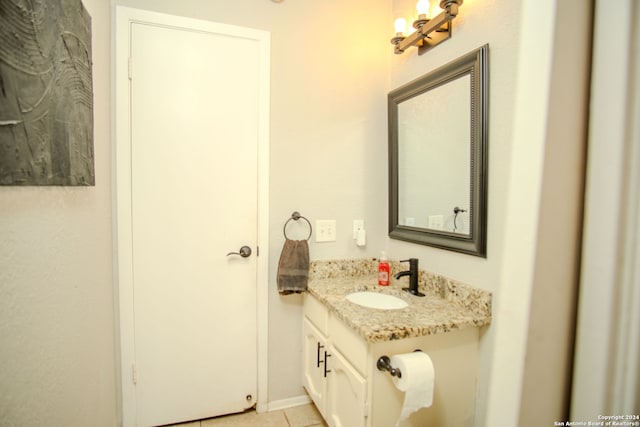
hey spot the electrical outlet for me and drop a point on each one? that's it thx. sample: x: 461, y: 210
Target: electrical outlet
x: 325, y: 230
x: 358, y: 224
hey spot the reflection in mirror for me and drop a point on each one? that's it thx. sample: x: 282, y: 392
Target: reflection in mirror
x: 429, y: 188
x: 438, y: 157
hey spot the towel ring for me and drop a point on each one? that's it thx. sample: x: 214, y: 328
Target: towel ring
x: 296, y: 216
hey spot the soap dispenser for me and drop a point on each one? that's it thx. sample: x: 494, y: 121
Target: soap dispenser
x: 383, y: 270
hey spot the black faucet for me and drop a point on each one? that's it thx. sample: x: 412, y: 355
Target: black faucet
x: 413, y: 277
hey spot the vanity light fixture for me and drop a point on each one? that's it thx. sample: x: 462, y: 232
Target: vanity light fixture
x: 429, y: 31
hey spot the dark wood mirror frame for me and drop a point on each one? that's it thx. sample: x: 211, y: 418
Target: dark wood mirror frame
x: 475, y: 65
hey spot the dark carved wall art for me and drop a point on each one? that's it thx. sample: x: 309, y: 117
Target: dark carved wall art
x: 46, y: 93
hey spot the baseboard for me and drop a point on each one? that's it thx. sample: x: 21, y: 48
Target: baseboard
x: 286, y: 403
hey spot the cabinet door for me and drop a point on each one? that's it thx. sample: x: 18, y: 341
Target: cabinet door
x: 313, y: 364
x: 346, y: 404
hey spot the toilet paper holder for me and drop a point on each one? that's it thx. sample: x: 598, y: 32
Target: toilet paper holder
x: 384, y: 364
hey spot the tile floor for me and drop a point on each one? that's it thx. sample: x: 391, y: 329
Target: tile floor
x: 299, y: 416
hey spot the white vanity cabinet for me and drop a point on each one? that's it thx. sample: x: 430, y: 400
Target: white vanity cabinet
x: 346, y: 394
x: 314, y: 369
x: 336, y: 387
x: 340, y: 374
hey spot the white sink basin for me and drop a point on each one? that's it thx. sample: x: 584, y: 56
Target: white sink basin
x: 376, y: 300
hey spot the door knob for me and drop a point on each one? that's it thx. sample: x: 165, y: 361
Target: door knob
x: 244, y: 252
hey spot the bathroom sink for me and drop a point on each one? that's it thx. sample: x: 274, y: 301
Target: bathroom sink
x: 376, y: 300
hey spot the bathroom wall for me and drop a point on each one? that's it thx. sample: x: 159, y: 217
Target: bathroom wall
x: 479, y: 22
x: 56, y: 292
x: 538, y: 79
x: 330, y: 68
x: 494, y: 22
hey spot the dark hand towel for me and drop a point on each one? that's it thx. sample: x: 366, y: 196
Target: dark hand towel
x: 293, y: 267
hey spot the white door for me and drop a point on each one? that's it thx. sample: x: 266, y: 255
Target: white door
x: 196, y: 107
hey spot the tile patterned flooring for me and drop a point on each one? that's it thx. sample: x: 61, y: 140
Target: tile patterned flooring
x: 299, y: 416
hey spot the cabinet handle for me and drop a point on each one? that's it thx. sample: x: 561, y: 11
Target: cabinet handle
x: 325, y: 364
x: 318, y: 356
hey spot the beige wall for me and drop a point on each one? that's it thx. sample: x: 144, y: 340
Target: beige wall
x: 479, y: 22
x: 328, y: 149
x: 538, y: 62
x: 497, y: 23
x: 56, y: 292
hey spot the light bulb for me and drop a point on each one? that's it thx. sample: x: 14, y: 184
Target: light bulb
x: 400, y: 25
x: 423, y: 7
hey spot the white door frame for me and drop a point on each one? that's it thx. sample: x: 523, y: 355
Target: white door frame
x: 123, y: 18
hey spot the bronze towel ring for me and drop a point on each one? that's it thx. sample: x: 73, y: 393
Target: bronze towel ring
x: 296, y: 216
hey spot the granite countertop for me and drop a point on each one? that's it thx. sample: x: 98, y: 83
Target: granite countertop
x: 448, y: 305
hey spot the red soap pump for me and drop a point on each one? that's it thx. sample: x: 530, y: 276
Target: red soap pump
x: 383, y: 270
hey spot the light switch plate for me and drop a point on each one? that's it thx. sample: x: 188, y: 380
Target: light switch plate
x: 436, y: 222
x: 325, y: 230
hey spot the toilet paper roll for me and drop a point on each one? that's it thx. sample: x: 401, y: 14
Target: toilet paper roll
x: 417, y: 381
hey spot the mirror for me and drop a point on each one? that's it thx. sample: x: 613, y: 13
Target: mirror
x: 438, y: 157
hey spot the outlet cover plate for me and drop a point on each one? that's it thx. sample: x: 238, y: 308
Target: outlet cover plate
x: 358, y: 224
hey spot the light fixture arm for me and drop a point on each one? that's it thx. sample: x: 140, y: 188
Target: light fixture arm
x: 432, y: 32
